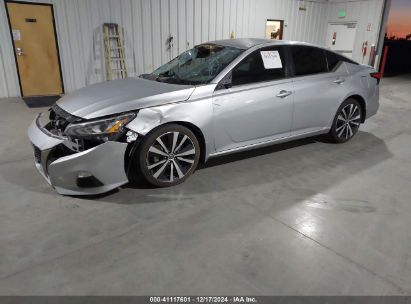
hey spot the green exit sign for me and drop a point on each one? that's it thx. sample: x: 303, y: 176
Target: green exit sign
x: 341, y: 14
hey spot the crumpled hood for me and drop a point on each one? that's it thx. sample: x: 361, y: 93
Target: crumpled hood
x: 122, y: 95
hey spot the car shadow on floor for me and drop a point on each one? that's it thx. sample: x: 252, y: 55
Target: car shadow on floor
x: 282, y: 165
x: 234, y: 157
x: 141, y: 184
x: 229, y: 158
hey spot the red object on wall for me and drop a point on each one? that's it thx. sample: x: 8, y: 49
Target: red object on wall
x: 384, y: 60
x: 364, y: 50
x: 372, y: 55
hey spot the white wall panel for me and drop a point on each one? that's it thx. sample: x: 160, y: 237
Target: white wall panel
x: 9, y: 85
x: 190, y: 23
x: 226, y: 18
x: 219, y: 19
x: 197, y: 21
x: 148, y: 23
x: 205, y: 6
x: 173, y: 29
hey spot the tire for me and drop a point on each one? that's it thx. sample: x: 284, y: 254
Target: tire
x: 346, y: 122
x: 168, y: 155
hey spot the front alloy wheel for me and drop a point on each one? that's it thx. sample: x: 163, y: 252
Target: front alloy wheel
x: 347, y: 121
x: 169, y: 155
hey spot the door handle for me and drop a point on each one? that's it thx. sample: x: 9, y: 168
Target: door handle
x: 19, y: 51
x: 339, y: 81
x: 283, y: 94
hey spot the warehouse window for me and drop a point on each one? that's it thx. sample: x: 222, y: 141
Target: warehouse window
x: 308, y: 60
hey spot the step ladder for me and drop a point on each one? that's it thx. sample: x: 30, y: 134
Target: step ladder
x: 114, y: 54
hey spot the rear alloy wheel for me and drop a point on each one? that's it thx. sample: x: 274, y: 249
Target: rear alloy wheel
x: 346, y: 122
x: 169, y: 155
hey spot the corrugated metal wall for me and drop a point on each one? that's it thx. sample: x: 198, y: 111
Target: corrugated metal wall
x: 8, y: 74
x: 147, y: 25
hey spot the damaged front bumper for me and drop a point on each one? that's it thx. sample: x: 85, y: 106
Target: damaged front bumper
x: 93, y: 171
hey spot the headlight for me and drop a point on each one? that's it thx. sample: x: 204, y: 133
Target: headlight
x: 107, y: 127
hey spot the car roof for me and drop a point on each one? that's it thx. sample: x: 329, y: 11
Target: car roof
x: 246, y: 43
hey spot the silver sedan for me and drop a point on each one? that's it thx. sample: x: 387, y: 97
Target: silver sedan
x: 219, y: 97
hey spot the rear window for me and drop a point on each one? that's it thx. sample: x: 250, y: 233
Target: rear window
x: 308, y: 60
x: 334, y: 60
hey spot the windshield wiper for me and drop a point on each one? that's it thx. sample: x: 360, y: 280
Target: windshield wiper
x: 165, y: 77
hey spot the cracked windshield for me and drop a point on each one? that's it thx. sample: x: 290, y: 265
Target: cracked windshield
x: 199, y: 65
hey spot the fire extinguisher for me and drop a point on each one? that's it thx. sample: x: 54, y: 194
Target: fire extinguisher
x: 372, y: 55
x: 364, y: 50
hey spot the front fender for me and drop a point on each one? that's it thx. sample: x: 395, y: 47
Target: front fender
x: 197, y: 113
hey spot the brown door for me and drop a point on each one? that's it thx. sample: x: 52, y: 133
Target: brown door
x: 35, y: 48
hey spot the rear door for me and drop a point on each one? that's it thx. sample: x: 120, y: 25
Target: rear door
x: 258, y: 107
x: 319, y: 87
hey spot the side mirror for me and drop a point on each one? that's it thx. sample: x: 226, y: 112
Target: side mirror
x: 226, y: 82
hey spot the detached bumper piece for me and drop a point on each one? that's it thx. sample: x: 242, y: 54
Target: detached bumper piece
x: 93, y: 171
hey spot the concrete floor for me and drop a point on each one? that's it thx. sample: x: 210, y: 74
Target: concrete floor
x: 307, y: 218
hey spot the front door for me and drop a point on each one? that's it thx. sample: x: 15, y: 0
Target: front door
x: 258, y: 107
x: 35, y: 48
